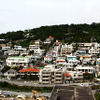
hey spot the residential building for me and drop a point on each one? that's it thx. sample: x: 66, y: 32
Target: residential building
x: 19, y: 48
x: 57, y: 43
x: 6, y: 48
x: 73, y: 76
x: 85, y: 46
x: 36, y: 49
x: 10, y: 74
x: 29, y: 71
x: 51, y: 75
x: 85, y: 57
x: 85, y: 69
x: 60, y: 60
x: 49, y: 40
x: 72, y: 59
x: 47, y: 58
x: 66, y: 49
x: 93, y: 51
x: 18, y: 61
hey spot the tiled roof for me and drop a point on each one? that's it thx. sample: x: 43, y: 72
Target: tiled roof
x: 50, y: 37
x: 60, y: 61
x: 29, y: 70
x: 67, y: 74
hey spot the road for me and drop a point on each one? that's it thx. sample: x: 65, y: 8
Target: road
x: 35, y: 84
x: 24, y: 83
x: 38, y: 85
x: 25, y: 93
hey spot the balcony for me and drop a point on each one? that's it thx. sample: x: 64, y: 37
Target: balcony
x: 58, y: 77
x: 45, y: 74
x: 45, y: 82
x: 58, y: 82
x: 46, y: 78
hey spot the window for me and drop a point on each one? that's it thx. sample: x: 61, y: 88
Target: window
x: 74, y: 75
x: 79, y: 75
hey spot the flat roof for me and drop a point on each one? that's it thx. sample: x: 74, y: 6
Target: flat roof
x: 71, y: 93
x: 84, y: 67
x: 19, y: 57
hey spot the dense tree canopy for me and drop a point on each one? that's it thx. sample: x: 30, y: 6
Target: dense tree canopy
x: 65, y: 33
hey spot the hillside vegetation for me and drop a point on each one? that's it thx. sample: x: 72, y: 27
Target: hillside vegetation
x: 64, y: 33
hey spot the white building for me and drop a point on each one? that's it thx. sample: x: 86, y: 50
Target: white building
x: 85, y: 46
x: 73, y: 76
x: 60, y: 60
x: 51, y: 75
x: 18, y: 61
x: 72, y: 59
x: 94, y: 51
x: 47, y: 58
x: 85, y: 57
x: 19, y: 48
x: 6, y: 48
x: 85, y: 69
x: 34, y: 47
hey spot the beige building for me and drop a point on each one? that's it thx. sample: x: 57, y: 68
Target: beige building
x: 66, y: 49
x: 73, y: 76
x: 52, y: 75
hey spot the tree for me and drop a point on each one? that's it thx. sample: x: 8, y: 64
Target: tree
x: 31, y: 52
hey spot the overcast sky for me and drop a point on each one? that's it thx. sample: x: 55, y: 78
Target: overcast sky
x: 27, y: 14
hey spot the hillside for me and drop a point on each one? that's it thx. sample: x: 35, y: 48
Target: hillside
x: 64, y: 33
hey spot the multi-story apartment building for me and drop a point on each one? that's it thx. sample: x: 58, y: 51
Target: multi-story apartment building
x: 34, y: 46
x: 73, y: 76
x: 85, y: 46
x: 72, y: 59
x: 85, y: 57
x: 94, y: 51
x: 51, y: 75
x: 66, y: 49
x: 18, y: 61
x: 36, y: 49
x: 19, y: 48
x: 85, y: 69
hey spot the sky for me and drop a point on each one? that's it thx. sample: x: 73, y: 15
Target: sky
x: 27, y: 14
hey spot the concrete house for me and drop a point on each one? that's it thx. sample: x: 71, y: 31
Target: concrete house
x: 10, y: 74
x: 18, y: 61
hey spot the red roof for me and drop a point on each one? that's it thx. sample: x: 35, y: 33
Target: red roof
x: 67, y: 75
x: 29, y: 70
x: 47, y: 56
x: 60, y: 61
x: 50, y: 37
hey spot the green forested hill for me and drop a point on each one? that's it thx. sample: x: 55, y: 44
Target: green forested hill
x: 65, y: 33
